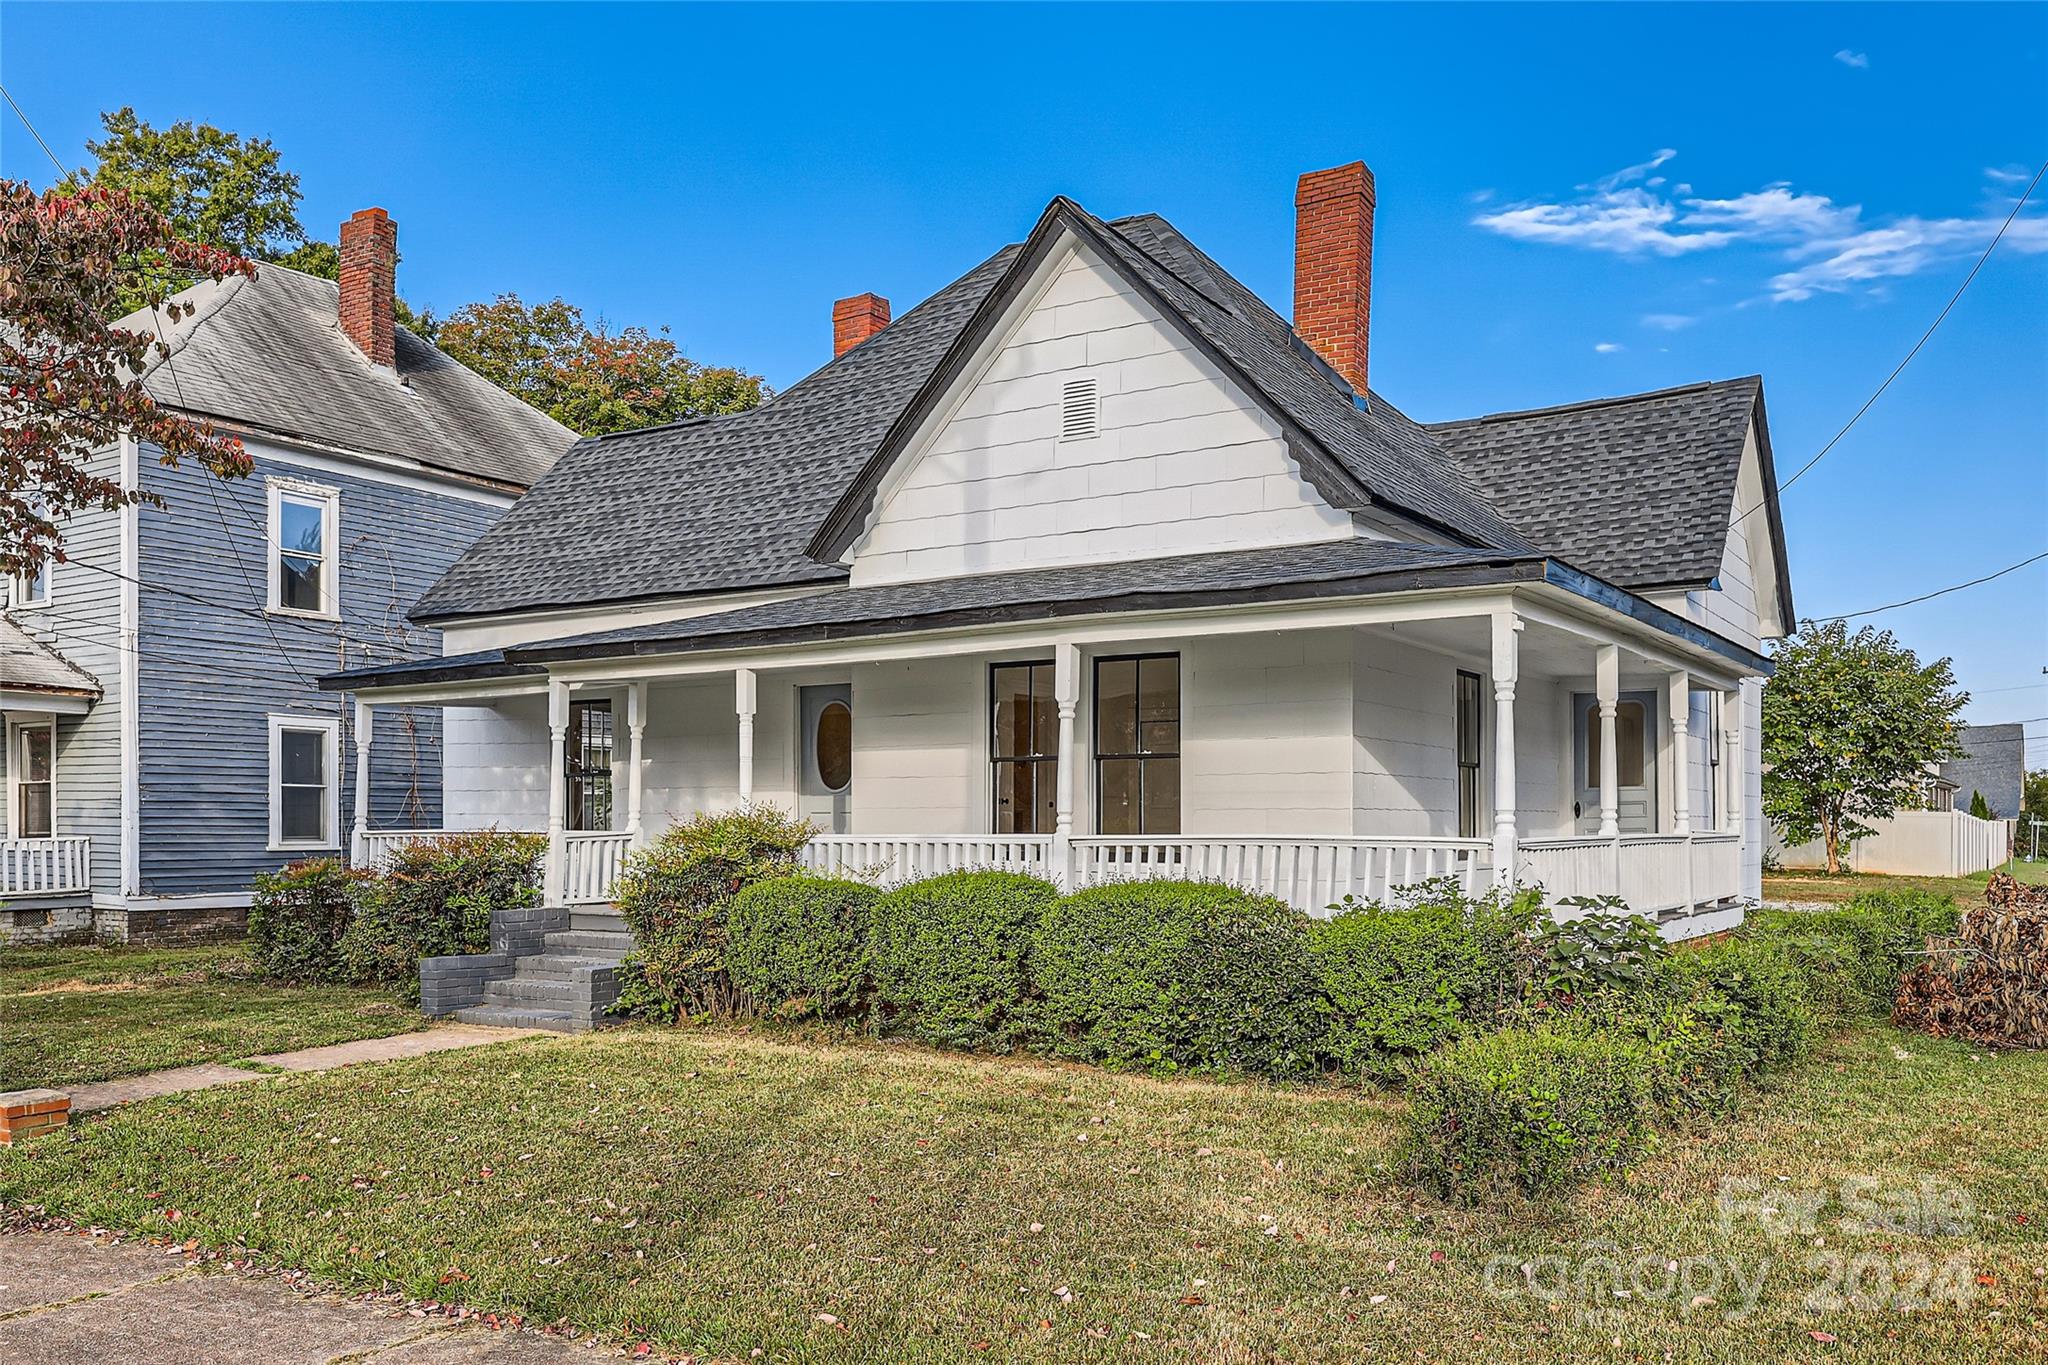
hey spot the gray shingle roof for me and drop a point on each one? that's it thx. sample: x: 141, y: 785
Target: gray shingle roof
x: 1636, y: 490
x: 269, y: 353
x: 30, y: 665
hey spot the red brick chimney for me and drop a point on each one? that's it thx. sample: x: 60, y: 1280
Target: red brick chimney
x: 1333, y: 266
x: 856, y: 319
x: 369, y: 270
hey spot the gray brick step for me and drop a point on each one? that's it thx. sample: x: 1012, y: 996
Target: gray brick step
x: 535, y: 991
x: 589, y: 943
x: 499, y: 1016
x: 598, y: 921
x: 560, y: 966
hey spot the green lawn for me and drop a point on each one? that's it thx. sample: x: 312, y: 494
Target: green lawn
x: 1818, y: 886
x: 73, y: 1015
x: 723, y: 1192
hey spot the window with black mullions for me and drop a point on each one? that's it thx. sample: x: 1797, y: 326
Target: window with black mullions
x: 590, y: 765
x: 1023, y: 747
x: 1137, y: 744
x: 1470, y: 719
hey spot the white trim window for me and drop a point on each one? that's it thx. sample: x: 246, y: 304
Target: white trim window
x: 305, y: 782
x: 32, y: 764
x: 304, y: 548
x: 33, y: 589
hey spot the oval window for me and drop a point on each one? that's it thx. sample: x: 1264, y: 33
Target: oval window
x: 833, y: 744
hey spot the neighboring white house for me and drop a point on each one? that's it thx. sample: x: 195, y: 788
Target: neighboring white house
x: 1092, y: 564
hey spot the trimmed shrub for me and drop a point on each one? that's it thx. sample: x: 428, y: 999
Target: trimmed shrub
x: 1771, y: 1025
x: 1397, y: 982
x: 673, y: 895
x: 799, y: 945
x: 951, y: 957
x: 1532, y: 1109
x: 435, y: 898
x: 1168, y: 976
x: 297, y: 917
x: 1697, y: 1047
x: 1853, y: 955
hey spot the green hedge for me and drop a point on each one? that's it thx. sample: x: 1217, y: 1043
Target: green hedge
x: 297, y: 916
x: 951, y: 958
x: 1397, y: 983
x: 1534, y: 1109
x: 673, y: 897
x: 435, y: 898
x: 1772, y: 1022
x: 1179, y: 976
x: 1853, y: 955
x: 799, y: 946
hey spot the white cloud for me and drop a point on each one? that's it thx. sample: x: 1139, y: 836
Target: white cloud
x: 1828, y: 247
x: 1668, y: 322
x: 1859, y: 60
x: 1608, y: 347
x: 1479, y: 196
x: 2007, y: 175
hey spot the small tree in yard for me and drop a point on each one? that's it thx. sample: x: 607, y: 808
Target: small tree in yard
x: 1850, y: 724
x: 69, y: 382
x: 1979, y: 807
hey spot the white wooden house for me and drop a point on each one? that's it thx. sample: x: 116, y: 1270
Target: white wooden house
x: 1093, y: 565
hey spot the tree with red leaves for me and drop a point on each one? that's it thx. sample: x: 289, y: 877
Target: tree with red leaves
x: 71, y: 382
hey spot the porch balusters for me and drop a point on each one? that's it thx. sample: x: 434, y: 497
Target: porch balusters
x: 558, y: 789
x: 636, y: 727
x: 744, y: 695
x: 359, y: 840
x: 1066, y: 691
x: 1506, y: 670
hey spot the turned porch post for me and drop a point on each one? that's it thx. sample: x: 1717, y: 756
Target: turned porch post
x: 1731, y: 761
x: 1607, y: 692
x: 1681, y: 752
x: 1506, y: 670
x: 744, y: 694
x: 1066, y: 692
x: 636, y: 728
x: 558, y: 789
x: 359, y: 843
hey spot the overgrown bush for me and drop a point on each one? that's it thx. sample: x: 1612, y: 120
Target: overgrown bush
x: 1772, y: 1025
x: 673, y: 896
x: 951, y: 957
x: 1396, y: 983
x: 1170, y: 976
x: 1602, y: 949
x: 435, y: 898
x: 297, y: 917
x: 798, y: 946
x: 1533, y: 1109
x: 1853, y: 955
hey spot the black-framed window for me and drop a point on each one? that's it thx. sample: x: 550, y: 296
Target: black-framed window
x: 1137, y: 744
x: 590, y: 765
x: 1471, y: 733
x: 1023, y: 747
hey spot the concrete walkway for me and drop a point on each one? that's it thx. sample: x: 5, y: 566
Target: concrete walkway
x: 440, y: 1038
x: 67, y: 1298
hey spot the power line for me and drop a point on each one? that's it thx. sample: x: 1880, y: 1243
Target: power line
x: 1924, y: 336
x: 1938, y: 592
x: 62, y: 169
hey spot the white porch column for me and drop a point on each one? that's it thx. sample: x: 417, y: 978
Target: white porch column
x: 636, y: 728
x: 1734, y: 802
x: 1066, y: 693
x: 744, y: 695
x: 1681, y: 752
x: 1607, y: 692
x: 558, y: 788
x: 1506, y: 670
x: 359, y: 843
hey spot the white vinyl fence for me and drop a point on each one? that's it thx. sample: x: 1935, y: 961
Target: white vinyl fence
x: 1914, y: 843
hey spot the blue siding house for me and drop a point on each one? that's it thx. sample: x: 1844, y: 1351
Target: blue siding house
x: 165, y: 739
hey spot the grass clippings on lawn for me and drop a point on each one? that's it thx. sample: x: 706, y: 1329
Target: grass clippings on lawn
x: 72, y: 1015
x: 720, y: 1193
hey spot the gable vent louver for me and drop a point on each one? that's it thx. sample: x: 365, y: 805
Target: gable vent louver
x: 1080, y: 410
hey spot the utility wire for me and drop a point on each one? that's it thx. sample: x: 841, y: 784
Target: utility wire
x: 1938, y: 592
x: 62, y: 169
x: 1953, y: 299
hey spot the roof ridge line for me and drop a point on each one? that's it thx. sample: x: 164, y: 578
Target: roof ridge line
x: 1586, y: 404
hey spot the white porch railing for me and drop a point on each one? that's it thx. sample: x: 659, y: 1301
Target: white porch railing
x: 45, y: 867
x: 591, y: 863
x: 1654, y: 874
x: 1308, y: 873
x: 378, y: 844
x: 904, y: 858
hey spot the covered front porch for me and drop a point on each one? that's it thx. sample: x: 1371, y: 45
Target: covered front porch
x: 1314, y: 751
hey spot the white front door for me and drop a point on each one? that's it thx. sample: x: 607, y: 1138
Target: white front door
x: 1635, y: 755
x: 825, y: 780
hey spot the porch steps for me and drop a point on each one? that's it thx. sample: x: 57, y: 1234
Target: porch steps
x: 562, y: 978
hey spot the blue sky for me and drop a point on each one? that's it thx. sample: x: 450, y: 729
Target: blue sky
x: 1572, y: 202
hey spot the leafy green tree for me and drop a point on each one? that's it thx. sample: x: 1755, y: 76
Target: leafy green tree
x: 1850, y: 725
x: 590, y: 379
